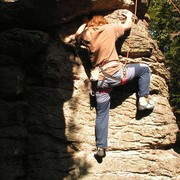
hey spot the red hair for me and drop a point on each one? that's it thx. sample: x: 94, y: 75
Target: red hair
x: 97, y: 21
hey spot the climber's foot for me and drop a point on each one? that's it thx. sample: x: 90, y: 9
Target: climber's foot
x: 100, y: 153
x: 146, y: 106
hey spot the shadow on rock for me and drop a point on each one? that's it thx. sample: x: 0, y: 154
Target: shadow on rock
x: 141, y: 114
x: 37, y: 73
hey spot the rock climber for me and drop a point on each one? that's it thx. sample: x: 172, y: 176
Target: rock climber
x: 99, y: 38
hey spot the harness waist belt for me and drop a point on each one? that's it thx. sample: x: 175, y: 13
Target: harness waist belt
x: 109, y: 64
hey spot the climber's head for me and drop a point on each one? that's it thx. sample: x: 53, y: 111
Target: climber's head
x: 97, y: 21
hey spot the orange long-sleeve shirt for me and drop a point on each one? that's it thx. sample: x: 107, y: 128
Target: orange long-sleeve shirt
x: 101, y: 44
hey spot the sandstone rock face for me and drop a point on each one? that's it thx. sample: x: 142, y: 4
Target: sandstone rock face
x: 46, y: 123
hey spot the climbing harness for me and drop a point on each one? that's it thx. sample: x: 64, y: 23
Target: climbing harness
x: 122, y: 79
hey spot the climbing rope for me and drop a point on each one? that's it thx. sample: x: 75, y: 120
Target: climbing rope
x: 135, y: 9
x: 129, y: 45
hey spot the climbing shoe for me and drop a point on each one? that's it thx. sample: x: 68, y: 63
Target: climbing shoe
x: 146, y: 106
x: 100, y: 153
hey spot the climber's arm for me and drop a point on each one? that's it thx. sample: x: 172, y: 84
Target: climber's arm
x: 78, y: 32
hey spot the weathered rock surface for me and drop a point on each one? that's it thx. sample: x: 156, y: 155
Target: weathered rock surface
x: 125, y: 165
x: 46, y: 125
x: 47, y: 14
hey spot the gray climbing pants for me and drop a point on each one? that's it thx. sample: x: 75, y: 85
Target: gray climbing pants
x: 141, y: 72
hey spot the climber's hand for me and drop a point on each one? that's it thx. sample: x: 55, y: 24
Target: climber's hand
x: 69, y: 38
x: 127, y: 13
